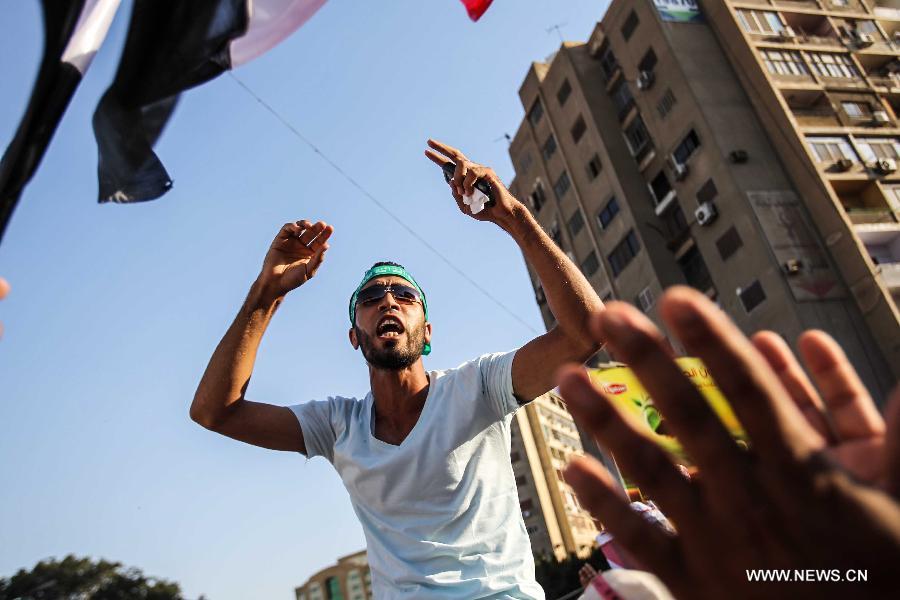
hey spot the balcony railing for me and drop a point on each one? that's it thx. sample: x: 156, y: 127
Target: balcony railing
x: 890, y: 275
x: 867, y: 216
x: 816, y: 117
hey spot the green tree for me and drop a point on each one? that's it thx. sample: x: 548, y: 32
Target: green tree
x: 74, y: 578
x: 559, y: 578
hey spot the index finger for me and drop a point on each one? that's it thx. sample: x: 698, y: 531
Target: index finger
x: 446, y: 150
x: 437, y: 159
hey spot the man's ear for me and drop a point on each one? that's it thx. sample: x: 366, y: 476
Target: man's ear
x: 354, y: 341
x: 427, y: 332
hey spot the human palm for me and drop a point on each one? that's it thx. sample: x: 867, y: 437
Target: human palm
x: 295, y: 255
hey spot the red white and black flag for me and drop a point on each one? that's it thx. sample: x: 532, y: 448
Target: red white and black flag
x: 73, y: 31
x: 174, y: 45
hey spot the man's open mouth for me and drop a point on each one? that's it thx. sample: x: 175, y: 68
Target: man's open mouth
x: 389, y: 327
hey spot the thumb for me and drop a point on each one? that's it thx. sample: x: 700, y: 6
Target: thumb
x: 892, y: 443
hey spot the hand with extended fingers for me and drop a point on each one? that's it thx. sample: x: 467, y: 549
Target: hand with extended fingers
x: 294, y: 257
x: 463, y: 183
x: 844, y: 415
x: 789, y: 502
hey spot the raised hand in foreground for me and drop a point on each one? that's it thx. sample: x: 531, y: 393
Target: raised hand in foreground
x: 784, y: 504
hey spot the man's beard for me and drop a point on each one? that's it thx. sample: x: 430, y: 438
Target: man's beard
x: 394, y: 358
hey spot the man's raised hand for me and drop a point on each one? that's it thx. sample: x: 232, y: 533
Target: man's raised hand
x: 294, y: 257
x: 463, y: 182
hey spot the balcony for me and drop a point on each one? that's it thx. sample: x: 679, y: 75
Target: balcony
x: 882, y: 241
x: 804, y: 4
x: 869, y: 216
x: 811, y: 108
x: 890, y: 275
x: 887, y: 9
x: 811, y: 30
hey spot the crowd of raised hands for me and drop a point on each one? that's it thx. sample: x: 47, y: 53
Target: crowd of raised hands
x: 819, y: 488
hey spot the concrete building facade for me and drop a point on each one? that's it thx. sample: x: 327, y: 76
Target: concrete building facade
x: 718, y: 147
x: 348, y: 579
x: 544, y: 439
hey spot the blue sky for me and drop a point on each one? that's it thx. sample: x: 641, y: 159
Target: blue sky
x: 115, y: 310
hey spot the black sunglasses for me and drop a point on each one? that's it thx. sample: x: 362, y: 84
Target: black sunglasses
x: 402, y: 293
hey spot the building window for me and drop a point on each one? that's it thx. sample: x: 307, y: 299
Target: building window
x: 608, y: 62
x: 758, y: 21
x: 694, y: 269
x: 576, y: 223
x: 622, y: 99
x: 549, y: 147
x: 333, y: 587
x: 729, y: 243
x: 873, y: 149
x: 536, y: 112
x: 665, y: 104
x: 526, y: 504
x: 594, y: 167
x: 675, y: 223
x: 707, y: 192
x: 514, y: 457
x: 538, y: 198
x: 660, y: 187
x: 782, y: 62
x: 525, y: 162
x: 624, y: 252
x: 555, y: 233
x: 854, y: 110
x: 751, y: 296
x: 520, y: 480
x: 578, y: 129
x: 833, y: 65
x: 648, y: 62
x: 686, y: 148
x: 630, y: 24
x: 590, y: 264
x: 564, y: 91
x: 829, y: 150
x: 637, y: 137
x: 644, y: 300
x: 608, y: 212
x: 562, y: 185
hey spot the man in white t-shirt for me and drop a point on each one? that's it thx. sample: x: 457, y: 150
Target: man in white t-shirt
x: 424, y: 455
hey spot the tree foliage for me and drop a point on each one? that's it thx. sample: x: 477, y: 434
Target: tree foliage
x: 559, y: 578
x: 74, y: 578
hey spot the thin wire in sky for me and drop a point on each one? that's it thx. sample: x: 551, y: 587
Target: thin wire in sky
x: 377, y: 203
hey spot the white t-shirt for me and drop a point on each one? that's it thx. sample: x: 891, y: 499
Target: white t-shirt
x: 441, y: 510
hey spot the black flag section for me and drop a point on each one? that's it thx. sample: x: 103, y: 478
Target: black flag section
x: 172, y: 45
x: 55, y: 85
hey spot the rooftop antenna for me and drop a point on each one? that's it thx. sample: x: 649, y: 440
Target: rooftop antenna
x: 558, y: 28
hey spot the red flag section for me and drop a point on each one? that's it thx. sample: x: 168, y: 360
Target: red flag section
x: 476, y: 8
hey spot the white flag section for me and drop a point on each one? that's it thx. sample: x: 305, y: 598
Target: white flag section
x: 90, y: 31
x: 271, y: 21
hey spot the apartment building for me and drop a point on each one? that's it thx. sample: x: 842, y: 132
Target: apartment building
x: 348, y: 579
x: 686, y: 144
x: 544, y: 439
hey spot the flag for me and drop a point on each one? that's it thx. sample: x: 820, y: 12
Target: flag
x: 73, y: 31
x: 174, y: 45
x: 476, y: 8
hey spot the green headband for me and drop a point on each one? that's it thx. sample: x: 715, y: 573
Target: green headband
x: 381, y: 271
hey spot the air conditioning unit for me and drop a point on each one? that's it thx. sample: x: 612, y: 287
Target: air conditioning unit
x: 880, y: 117
x: 843, y: 164
x: 792, y: 266
x: 706, y: 213
x: 645, y: 80
x: 863, y: 40
x: 738, y: 156
x: 679, y: 171
x: 885, y: 165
